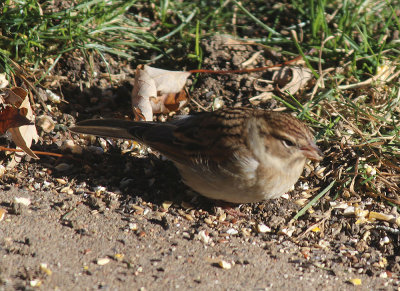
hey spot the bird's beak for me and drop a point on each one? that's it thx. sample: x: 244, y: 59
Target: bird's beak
x: 312, y: 152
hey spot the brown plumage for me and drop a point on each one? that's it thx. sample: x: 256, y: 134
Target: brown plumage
x: 233, y: 154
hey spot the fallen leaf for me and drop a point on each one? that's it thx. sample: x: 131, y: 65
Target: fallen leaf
x: 23, y: 135
x: 14, y: 96
x: 292, y: 79
x: 11, y: 117
x: 158, y: 91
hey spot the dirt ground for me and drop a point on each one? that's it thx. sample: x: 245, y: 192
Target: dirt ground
x: 118, y: 218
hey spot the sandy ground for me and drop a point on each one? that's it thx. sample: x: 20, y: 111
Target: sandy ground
x: 149, y: 258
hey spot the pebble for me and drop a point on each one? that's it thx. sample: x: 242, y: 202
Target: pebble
x: 45, y: 122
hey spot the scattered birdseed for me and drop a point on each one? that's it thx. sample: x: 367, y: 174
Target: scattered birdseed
x: 225, y: 265
x: 61, y: 181
x: 99, y: 189
x: 319, y: 172
x: 316, y: 229
x: 383, y: 275
x: 208, y: 221
x: 381, y: 216
x: 45, y: 269
x: 166, y: 204
x: 22, y: 200
x: 103, y: 261
x: 35, y: 283
x: 355, y: 282
x: 337, y: 205
x: 133, y: 226
x: 2, y: 213
x: 287, y: 231
x: 204, y: 237
x: 232, y: 231
x: 285, y: 196
x: 218, y: 103
x: 222, y: 217
x: 119, y: 257
x: 371, y: 171
x: 246, y: 231
x: 384, y: 241
x: 188, y: 217
x: 349, y: 211
x: 262, y: 228
x: 323, y: 244
x: 301, y: 202
x: 138, y: 210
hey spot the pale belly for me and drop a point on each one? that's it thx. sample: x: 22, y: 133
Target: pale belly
x: 252, y: 186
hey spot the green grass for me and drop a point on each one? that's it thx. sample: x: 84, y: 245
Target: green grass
x: 354, y: 39
x: 31, y: 33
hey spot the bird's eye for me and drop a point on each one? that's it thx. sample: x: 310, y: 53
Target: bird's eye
x: 287, y: 143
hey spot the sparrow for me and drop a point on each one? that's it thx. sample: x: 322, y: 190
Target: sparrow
x: 238, y: 155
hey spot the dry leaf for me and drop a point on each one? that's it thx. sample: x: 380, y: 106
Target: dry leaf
x: 292, y: 79
x: 158, y: 91
x: 3, y: 81
x: 14, y: 96
x: 23, y: 135
x: 12, y: 117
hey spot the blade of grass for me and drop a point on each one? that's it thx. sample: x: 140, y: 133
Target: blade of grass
x: 312, y: 202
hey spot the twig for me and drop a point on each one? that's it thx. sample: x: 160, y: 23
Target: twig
x: 36, y: 152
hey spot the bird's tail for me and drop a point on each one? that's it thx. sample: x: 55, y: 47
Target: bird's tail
x: 115, y: 128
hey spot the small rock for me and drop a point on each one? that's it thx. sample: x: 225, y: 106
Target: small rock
x: 46, y: 123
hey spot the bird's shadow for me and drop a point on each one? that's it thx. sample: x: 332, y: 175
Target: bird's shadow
x: 147, y: 178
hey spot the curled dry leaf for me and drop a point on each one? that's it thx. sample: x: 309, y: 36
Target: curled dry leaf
x: 11, y: 117
x: 158, y: 91
x: 23, y: 134
x: 292, y: 79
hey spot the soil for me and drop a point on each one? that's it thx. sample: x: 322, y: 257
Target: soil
x: 114, y: 215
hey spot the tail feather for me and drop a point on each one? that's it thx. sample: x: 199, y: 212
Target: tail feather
x: 114, y: 128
